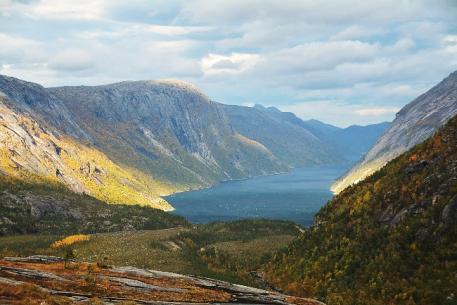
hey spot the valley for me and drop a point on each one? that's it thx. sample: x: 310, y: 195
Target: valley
x: 280, y: 152
x: 261, y: 214
x: 225, y: 251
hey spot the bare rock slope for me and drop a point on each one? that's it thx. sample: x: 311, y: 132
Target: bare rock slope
x: 46, y: 280
x: 416, y: 122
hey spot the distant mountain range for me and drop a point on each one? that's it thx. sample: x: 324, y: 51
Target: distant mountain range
x: 414, y: 123
x: 296, y: 142
x: 135, y: 141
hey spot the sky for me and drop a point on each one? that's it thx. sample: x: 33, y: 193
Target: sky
x: 342, y: 62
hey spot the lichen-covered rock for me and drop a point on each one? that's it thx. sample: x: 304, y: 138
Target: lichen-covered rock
x: 82, y: 281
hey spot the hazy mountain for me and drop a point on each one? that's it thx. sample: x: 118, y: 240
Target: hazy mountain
x: 391, y: 239
x: 297, y: 142
x: 353, y: 142
x: 414, y: 123
x: 320, y: 128
x: 282, y: 133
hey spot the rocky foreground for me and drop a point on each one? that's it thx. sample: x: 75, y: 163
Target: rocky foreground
x: 51, y: 280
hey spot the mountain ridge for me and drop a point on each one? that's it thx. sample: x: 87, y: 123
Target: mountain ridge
x: 136, y: 141
x: 414, y: 123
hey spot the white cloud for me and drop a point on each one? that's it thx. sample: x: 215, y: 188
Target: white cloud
x: 354, y: 55
x: 316, y: 56
x: 355, y: 32
x: 63, y: 10
x: 176, y: 30
x: 72, y: 60
x: 450, y: 39
x: 236, y: 63
x: 18, y: 49
x: 341, y: 113
x: 377, y: 111
x: 239, y: 11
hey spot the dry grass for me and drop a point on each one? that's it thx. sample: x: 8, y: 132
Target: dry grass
x: 144, y: 249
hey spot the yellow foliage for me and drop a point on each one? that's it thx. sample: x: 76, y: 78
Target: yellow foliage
x: 70, y: 240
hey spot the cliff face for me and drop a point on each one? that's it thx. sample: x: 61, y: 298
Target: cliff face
x: 167, y: 129
x: 31, y: 151
x: 32, y: 100
x: 414, y: 123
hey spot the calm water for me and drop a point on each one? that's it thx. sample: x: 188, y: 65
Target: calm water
x: 296, y: 196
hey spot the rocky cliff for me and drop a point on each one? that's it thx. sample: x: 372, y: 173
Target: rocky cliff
x: 167, y: 129
x: 414, y: 123
x: 31, y: 149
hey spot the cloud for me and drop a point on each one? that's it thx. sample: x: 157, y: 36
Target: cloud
x: 450, y: 39
x: 341, y: 113
x: 236, y: 63
x: 334, y: 60
x: 378, y: 111
x: 355, y: 32
x: 19, y: 49
x: 317, y: 56
x: 72, y: 60
x: 176, y: 30
x: 61, y: 10
x: 238, y: 11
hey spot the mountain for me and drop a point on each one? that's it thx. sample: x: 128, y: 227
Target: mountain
x: 320, y: 128
x: 282, y: 133
x: 130, y: 142
x: 40, y: 142
x: 414, y: 123
x: 50, y: 208
x: 353, y: 142
x: 296, y: 142
x: 168, y: 130
x: 390, y: 239
x: 136, y: 141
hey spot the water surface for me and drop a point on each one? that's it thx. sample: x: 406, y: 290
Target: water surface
x: 295, y: 196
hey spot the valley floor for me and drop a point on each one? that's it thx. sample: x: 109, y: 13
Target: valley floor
x: 220, y: 250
